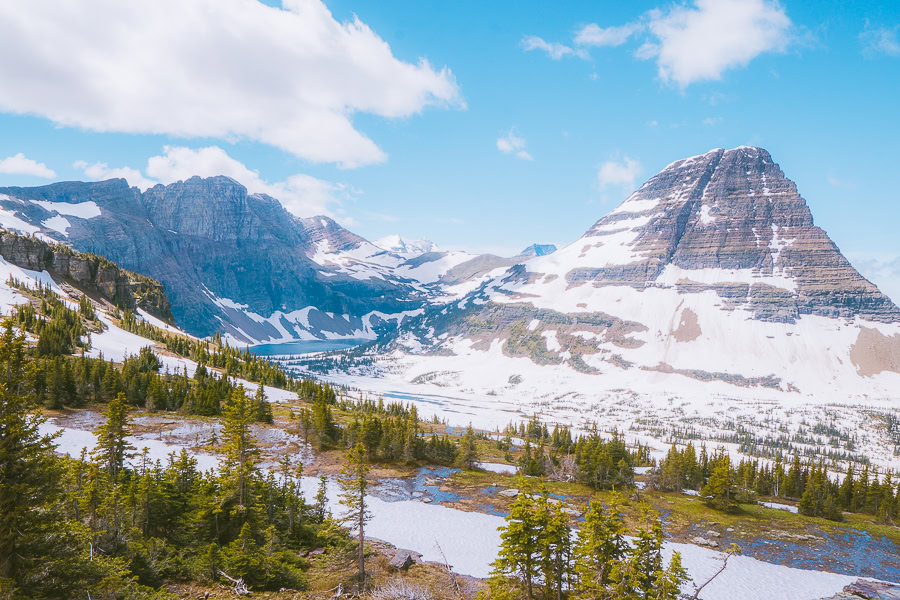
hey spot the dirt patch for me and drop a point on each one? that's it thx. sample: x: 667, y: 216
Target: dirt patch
x: 874, y: 352
x: 688, y: 329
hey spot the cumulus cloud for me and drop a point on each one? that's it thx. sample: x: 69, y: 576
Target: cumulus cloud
x: 289, y: 77
x: 703, y: 41
x: 554, y: 50
x: 19, y: 164
x: 101, y: 171
x: 880, y: 40
x: 511, y: 143
x: 694, y: 42
x: 302, y: 195
x: 594, y: 35
x: 622, y: 174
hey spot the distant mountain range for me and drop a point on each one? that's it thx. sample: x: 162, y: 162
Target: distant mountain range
x: 239, y: 263
x: 712, y: 271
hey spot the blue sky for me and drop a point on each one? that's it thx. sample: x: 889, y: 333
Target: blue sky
x: 529, y: 122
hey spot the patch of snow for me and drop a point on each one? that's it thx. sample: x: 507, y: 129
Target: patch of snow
x: 82, y: 210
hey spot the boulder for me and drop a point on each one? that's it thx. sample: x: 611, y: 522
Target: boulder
x: 404, y: 559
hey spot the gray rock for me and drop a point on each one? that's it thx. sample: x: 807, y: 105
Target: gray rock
x: 403, y: 559
x: 510, y: 493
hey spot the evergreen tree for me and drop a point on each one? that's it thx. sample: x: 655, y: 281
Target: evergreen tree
x: 520, y: 552
x: 468, y: 453
x: 112, y: 447
x: 263, y: 407
x: 601, y: 543
x: 241, y: 451
x: 353, y: 496
x: 720, y: 490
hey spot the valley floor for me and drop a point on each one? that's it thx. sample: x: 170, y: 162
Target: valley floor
x: 450, y: 515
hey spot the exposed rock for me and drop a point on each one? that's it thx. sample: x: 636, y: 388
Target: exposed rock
x: 864, y: 589
x: 736, y: 210
x: 538, y: 250
x: 510, y: 493
x: 701, y: 541
x: 88, y: 272
x: 874, y: 352
x: 404, y: 559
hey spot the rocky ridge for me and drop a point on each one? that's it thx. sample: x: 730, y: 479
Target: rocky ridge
x: 87, y: 272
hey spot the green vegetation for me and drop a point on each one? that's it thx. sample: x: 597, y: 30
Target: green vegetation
x: 537, y: 557
x: 115, y: 525
x: 723, y: 485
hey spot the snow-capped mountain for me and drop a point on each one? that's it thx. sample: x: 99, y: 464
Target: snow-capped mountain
x: 232, y: 262
x: 399, y: 245
x: 239, y: 263
x: 712, y: 276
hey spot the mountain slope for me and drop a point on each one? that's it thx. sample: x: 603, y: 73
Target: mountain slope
x: 231, y: 261
x: 712, y: 273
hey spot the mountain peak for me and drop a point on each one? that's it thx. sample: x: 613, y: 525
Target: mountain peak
x: 538, y: 250
x: 401, y: 245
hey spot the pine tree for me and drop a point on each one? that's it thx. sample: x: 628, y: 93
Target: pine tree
x: 601, y: 543
x: 241, y: 451
x: 468, y: 453
x: 720, y: 490
x: 520, y: 552
x: 353, y: 497
x: 263, y: 407
x: 112, y: 447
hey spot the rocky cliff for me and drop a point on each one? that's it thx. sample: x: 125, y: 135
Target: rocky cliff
x: 230, y: 261
x: 731, y: 210
x: 88, y: 272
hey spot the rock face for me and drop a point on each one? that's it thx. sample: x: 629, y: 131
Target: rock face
x: 732, y: 210
x: 230, y: 261
x: 87, y: 272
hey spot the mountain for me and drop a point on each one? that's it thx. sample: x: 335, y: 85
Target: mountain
x: 399, y: 245
x: 538, y: 250
x: 234, y: 262
x: 711, y: 274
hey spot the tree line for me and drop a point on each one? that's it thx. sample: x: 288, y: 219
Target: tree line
x: 724, y: 484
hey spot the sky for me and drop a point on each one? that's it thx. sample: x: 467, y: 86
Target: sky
x: 484, y: 126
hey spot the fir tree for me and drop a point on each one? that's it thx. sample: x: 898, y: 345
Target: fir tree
x: 468, y: 453
x: 112, y: 447
x: 601, y: 543
x: 520, y: 551
x: 241, y: 451
x: 353, y: 497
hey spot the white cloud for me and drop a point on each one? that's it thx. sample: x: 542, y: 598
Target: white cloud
x: 881, y: 269
x: 513, y: 144
x: 710, y: 121
x: 19, y: 164
x: 302, y: 195
x: 702, y: 42
x: 100, y: 171
x: 236, y: 69
x: 880, y: 40
x: 594, y: 35
x: 618, y: 174
x: 554, y: 50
